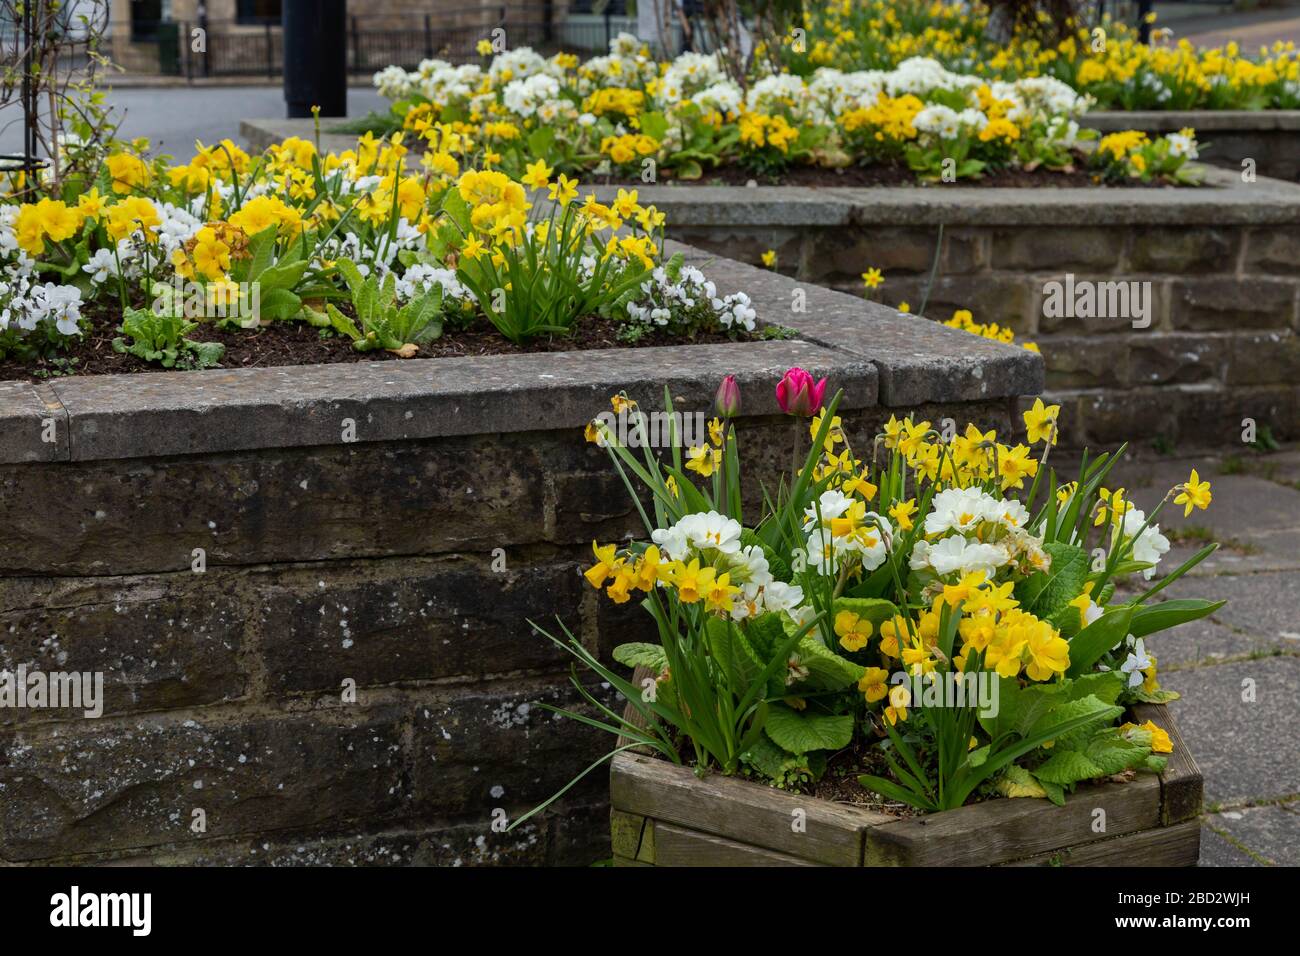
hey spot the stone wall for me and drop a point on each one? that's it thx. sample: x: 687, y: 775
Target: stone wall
x: 328, y: 563
x: 1222, y: 263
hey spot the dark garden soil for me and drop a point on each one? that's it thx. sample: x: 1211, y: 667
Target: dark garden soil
x: 864, y: 176
x: 297, y: 343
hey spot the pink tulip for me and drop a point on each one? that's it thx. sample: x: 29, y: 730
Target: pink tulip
x: 797, y: 394
x: 727, y: 401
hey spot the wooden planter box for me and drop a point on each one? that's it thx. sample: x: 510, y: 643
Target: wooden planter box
x: 664, y: 815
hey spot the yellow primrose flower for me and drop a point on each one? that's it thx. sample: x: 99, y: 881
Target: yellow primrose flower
x: 769, y: 258
x: 127, y: 172
x: 131, y: 214
x: 873, y: 684
x: 852, y: 630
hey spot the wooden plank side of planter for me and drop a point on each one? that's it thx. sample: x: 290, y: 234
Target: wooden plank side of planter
x: 1181, y: 782
x: 1177, y: 845
x: 737, y: 810
x: 997, y: 831
x: 678, y: 846
x: 632, y: 836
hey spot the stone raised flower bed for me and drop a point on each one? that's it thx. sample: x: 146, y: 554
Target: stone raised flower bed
x: 663, y: 815
x: 237, y: 550
x: 1270, y: 137
x: 1223, y: 263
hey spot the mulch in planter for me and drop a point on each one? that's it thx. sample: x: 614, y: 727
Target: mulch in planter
x: 297, y: 343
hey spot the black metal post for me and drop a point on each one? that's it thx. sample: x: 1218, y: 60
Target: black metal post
x: 29, y: 91
x: 428, y: 37
x: 203, y: 25
x: 315, y: 57
x: 1144, y: 28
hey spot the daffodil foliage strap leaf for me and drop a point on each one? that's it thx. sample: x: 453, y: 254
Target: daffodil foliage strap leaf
x: 1102, y: 635
x: 1167, y: 614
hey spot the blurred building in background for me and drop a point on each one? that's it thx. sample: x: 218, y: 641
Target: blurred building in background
x: 242, y: 37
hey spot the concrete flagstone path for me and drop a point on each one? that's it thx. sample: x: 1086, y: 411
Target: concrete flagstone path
x: 1239, y: 669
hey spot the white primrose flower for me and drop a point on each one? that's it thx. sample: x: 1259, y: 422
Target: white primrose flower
x: 955, y: 553
x: 1136, y: 662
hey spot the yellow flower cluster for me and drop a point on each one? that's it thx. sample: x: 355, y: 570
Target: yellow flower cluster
x: 621, y: 575
x: 888, y: 120
x: 760, y: 129
x: 1114, y: 67
x: 963, y: 319
x: 615, y: 99
x: 628, y: 147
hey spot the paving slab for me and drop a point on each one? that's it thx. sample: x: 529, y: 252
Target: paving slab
x: 1248, y: 750
x: 1272, y: 832
x: 1264, y: 605
x: 1218, y: 851
x: 1206, y: 642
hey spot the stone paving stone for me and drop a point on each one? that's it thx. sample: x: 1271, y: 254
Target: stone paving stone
x: 1262, y: 605
x: 1216, y: 851
x: 1204, y: 641
x: 1256, y: 520
x: 1246, y: 750
x: 1271, y: 831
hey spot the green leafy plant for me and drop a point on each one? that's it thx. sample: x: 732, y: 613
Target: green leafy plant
x: 162, y: 338
x: 380, y: 322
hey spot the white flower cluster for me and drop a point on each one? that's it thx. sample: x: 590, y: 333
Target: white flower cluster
x: 393, y: 82
x: 421, y: 278
x: 688, y: 74
x: 942, y: 122
x: 983, y: 533
x: 528, y: 96
x: 714, y: 539
x: 836, y: 535
x: 688, y: 302
x: 518, y: 63
x: 626, y: 65
x: 774, y: 92
x: 1180, y: 144
x: 1149, y: 545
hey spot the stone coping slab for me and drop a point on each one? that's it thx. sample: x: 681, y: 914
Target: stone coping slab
x: 1203, y: 121
x: 917, y: 361
x: 1223, y: 199
x: 879, y: 356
